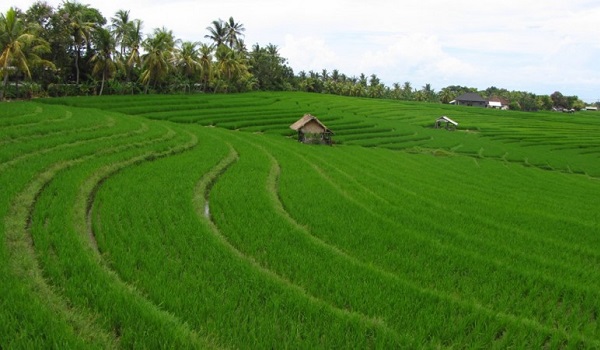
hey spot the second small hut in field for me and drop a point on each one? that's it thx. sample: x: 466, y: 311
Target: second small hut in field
x: 311, y: 130
x: 450, y: 124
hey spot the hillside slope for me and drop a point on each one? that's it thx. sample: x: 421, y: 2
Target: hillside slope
x: 199, y: 222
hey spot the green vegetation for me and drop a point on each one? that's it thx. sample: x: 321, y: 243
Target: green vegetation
x: 74, y: 50
x: 198, y: 221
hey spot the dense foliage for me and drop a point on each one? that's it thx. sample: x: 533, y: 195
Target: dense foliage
x: 75, y: 50
x: 198, y: 221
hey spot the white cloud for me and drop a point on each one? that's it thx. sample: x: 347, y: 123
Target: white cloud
x: 514, y: 44
x: 418, y: 58
x: 308, y: 53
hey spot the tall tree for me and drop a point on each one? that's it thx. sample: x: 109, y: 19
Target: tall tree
x: 397, y: 91
x: 428, y: 94
x: 269, y: 68
x: 375, y: 89
x: 217, y: 33
x: 229, y: 67
x: 559, y: 100
x: 104, y: 65
x: 159, y: 51
x: 40, y: 19
x: 335, y: 75
x: 446, y: 95
x: 362, y: 80
x: 206, y: 65
x: 81, y: 20
x: 121, y: 27
x: 407, y: 91
x: 20, y: 48
x: 187, y: 60
x: 133, y: 42
x: 234, y: 31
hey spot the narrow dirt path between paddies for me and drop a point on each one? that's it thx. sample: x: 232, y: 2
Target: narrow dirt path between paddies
x: 354, y: 266
x: 430, y: 198
x: 128, y: 222
x: 46, y: 306
x: 66, y: 234
x: 258, y: 295
x: 27, y: 247
x: 206, y: 184
x: 42, y: 131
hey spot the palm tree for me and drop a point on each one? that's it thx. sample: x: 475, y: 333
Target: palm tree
x: 375, y: 88
x: 241, y: 47
x: 407, y: 91
x: 133, y: 41
x: 229, y: 65
x: 206, y: 65
x: 396, y: 92
x: 446, y: 95
x: 159, y: 50
x: 121, y: 26
x: 20, y: 48
x: 429, y: 93
x: 218, y: 33
x: 362, y: 80
x: 79, y: 28
x: 233, y: 31
x: 103, y: 61
x: 187, y: 59
x: 335, y: 75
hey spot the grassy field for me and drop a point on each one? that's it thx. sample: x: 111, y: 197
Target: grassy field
x: 200, y: 222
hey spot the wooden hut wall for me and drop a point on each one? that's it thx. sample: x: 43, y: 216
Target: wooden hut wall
x: 312, y: 127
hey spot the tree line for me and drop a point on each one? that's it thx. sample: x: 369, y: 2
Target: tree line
x: 75, y: 50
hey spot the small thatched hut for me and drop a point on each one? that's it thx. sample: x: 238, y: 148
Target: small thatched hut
x: 450, y: 124
x: 311, y: 130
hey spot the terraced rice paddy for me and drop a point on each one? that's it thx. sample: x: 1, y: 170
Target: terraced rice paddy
x: 199, y: 222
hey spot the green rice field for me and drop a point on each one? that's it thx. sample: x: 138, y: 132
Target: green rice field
x: 198, y: 221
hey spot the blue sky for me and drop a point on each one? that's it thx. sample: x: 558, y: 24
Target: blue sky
x: 524, y: 45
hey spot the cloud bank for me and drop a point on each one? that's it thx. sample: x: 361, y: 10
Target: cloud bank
x: 518, y: 45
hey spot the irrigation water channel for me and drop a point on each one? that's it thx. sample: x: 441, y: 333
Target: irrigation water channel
x: 207, y: 210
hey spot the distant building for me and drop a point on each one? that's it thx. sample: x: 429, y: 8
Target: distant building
x: 497, y: 102
x: 591, y: 108
x: 471, y: 99
x: 311, y: 130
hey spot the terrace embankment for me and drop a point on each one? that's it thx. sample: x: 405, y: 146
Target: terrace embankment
x: 393, y: 237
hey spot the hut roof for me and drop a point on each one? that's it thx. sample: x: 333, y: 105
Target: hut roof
x: 307, y: 118
x: 471, y: 97
x: 447, y: 120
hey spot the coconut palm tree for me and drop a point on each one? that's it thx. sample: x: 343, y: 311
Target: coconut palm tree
x: 407, y: 91
x: 104, y: 65
x: 187, y: 60
x: 133, y: 41
x: 446, y: 95
x: 429, y: 94
x: 324, y: 75
x: 229, y: 66
x: 121, y: 26
x: 233, y: 32
x: 218, y: 33
x: 362, y: 80
x: 80, y: 28
x: 375, y: 88
x: 20, y: 48
x: 335, y: 75
x: 159, y: 51
x: 206, y: 65
x: 396, y: 92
